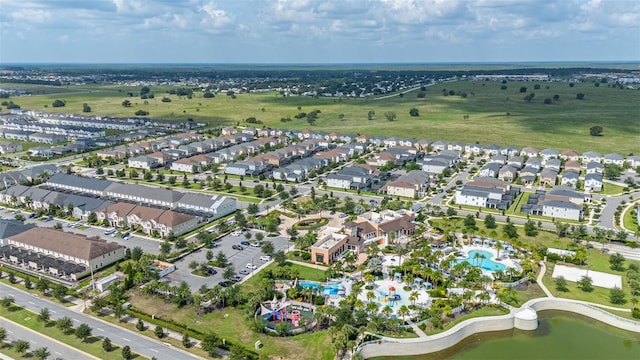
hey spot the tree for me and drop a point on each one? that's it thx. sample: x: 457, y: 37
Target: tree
x: 27, y: 283
x: 228, y: 273
x: 371, y: 114
x: 580, y: 96
x: 210, y: 343
x: 470, y: 222
x: 65, y: 324
x: 6, y: 301
x: 186, y: 340
x: 136, y: 253
x: 41, y: 353
x: 390, y: 115
x: 530, y: 228
x: 3, y: 335
x: 561, y: 284
x: 267, y: 247
x: 221, y: 259
x: 612, y: 171
x: 617, y: 296
x: 86, y: 108
x: 140, y: 325
x: 209, y: 255
x: 159, y: 332
x: 414, y: 112
x: 58, y: 103
x: 510, y: 230
x: 59, y: 292
x: 596, y: 130
x: 106, y: 344
x: 83, y: 332
x: 126, y: 103
x: 585, y: 284
x: 490, y: 221
x: 280, y: 257
x: 21, y: 346
x: 44, y: 315
x: 617, y: 262
x: 126, y: 353
x: 523, y: 89
x: 92, y: 218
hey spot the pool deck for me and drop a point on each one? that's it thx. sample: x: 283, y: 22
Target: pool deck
x: 384, y: 285
x: 507, y: 262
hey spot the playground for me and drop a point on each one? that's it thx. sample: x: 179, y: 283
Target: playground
x: 393, y: 294
x: 298, y: 314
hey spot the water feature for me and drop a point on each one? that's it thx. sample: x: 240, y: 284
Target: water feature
x: 486, y: 263
x: 561, y: 335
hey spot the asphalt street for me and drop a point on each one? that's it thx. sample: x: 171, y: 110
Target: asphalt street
x: 120, y: 336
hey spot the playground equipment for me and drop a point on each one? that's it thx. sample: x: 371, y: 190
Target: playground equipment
x: 283, y: 310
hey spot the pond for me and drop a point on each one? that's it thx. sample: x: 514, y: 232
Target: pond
x: 561, y: 335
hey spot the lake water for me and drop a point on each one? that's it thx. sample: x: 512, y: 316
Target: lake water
x: 561, y: 336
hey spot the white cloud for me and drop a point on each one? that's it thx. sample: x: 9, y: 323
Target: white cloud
x: 30, y: 15
x: 214, y: 19
x: 63, y: 38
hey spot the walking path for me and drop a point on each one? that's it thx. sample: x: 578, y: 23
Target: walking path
x: 543, y: 270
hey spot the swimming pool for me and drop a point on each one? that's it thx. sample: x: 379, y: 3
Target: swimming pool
x: 485, y: 263
x: 334, y: 289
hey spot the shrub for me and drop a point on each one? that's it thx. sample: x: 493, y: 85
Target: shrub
x: 306, y: 256
x: 636, y: 313
x: 318, y: 300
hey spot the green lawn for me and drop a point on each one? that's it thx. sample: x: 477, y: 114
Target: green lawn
x: 598, y: 262
x: 92, y: 345
x: 629, y: 219
x: 305, y: 272
x: 483, y: 311
x: 611, y: 189
x: 564, y: 124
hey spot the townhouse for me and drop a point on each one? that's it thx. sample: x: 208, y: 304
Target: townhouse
x: 413, y: 184
x: 486, y: 193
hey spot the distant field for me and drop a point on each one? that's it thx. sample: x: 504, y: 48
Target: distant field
x: 564, y: 124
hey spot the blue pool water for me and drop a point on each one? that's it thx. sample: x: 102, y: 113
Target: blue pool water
x: 486, y: 263
x: 326, y: 290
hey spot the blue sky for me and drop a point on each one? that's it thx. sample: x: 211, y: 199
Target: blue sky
x: 317, y: 31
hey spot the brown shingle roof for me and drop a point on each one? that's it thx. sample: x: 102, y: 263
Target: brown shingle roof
x: 74, y: 245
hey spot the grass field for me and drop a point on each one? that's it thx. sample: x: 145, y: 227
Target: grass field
x: 495, y: 116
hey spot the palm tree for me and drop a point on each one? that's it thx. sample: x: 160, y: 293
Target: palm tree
x: 482, y: 257
x: 403, y: 311
x: 370, y: 296
x: 372, y: 308
x: 368, y: 278
x: 634, y: 302
x: 499, y: 247
x: 476, y: 256
x: 413, y: 297
x: 387, y: 311
x: 358, y: 304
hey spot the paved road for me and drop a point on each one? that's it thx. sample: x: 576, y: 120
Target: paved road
x: 138, y: 343
x: 58, y: 350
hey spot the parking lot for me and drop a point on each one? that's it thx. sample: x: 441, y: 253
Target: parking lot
x: 238, y: 258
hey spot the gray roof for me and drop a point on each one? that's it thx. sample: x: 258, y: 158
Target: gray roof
x: 562, y: 204
x: 614, y: 156
x: 591, y: 154
x: 145, y: 192
x: 594, y: 165
x: 593, y: 176
x: 570, y: 175
x: 79, y: 181
x: 9, y: 228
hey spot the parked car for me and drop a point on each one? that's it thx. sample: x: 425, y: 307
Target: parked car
x: 237, y: 247
x: 265, y: 258
x: 251, y: 266
x: 255, y: 244
x: 244, y: 272
x: 212, y: 271
x: 236, y: 278
x: 224, y: 283
x: 245, y: 243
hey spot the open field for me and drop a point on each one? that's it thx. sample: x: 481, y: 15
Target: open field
x: 495, y: 115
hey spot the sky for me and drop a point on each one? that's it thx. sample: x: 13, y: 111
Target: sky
x: 318, y: 31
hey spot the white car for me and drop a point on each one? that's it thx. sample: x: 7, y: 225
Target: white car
x: 251, y: 266
x: 255, y: 244
x: 265, y: 258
